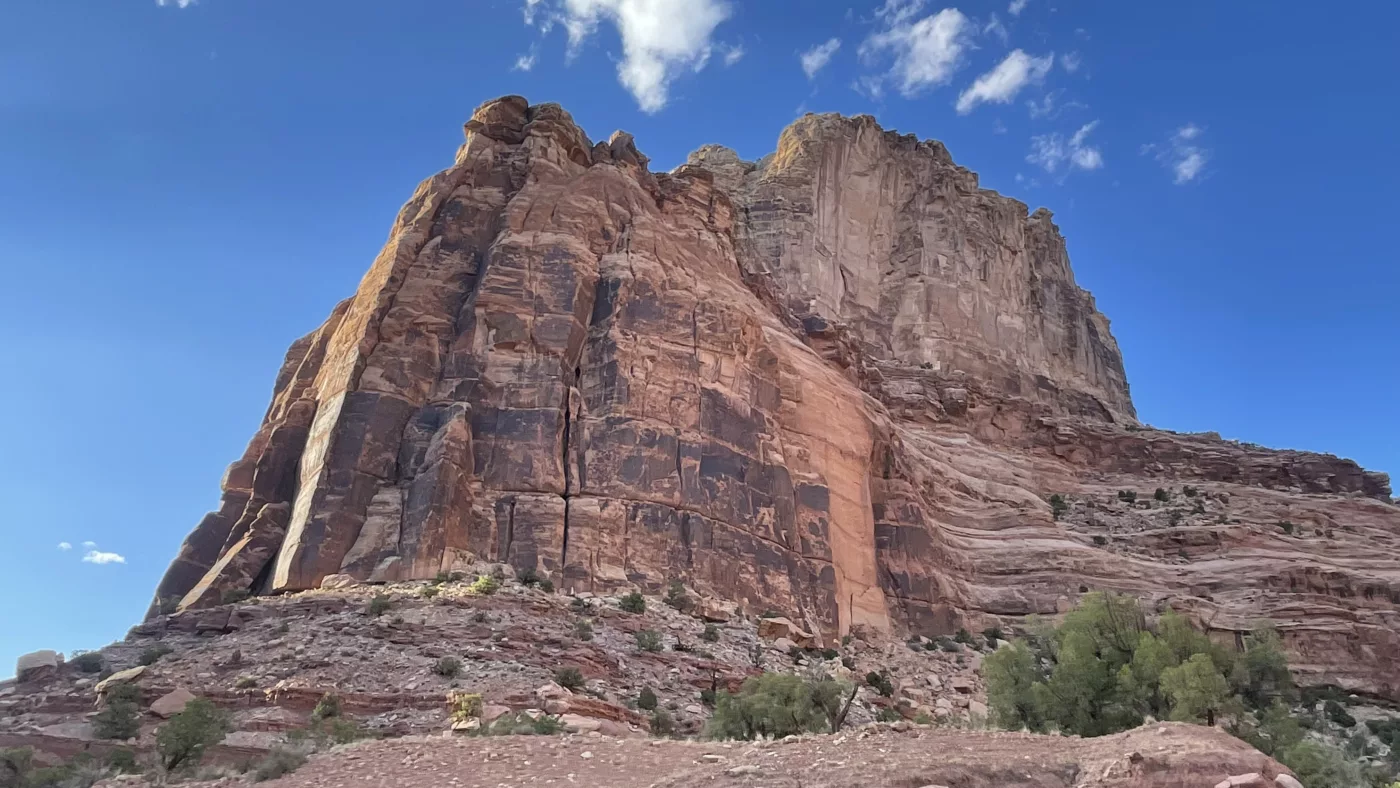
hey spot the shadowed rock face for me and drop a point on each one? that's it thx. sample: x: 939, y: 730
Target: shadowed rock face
x: 840, y: 382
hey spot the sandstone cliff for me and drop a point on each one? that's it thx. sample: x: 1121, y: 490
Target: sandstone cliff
x: 842, y: 382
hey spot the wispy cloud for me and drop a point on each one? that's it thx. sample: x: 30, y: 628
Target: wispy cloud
x: 99, y: 557
x: 661, y: 39
x: 1183, y: 154
x: 1071, y: 62
x: 997, y: 28
x: 1002, y: 83
x: 927, y: 50
x: 816, y: 58
x: 65, y: 546
x: 176, y: 3
x: 731, y: 53
x: 89, y: 545
x: 526, y: 61
x: 1051, y: 152
x: 1016, y: 7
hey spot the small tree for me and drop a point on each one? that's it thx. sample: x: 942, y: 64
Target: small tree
x: 328, y: 706
x: 662, y: 724
x: 448, y: 667
x: 711, y: 634
x: 633, y: 603
x: 1058, y: 506
x: 583, y: 629
x: 1162, y: 495
x: 87, y: 662
x: 648, y: 640
x: 120, y: 717
x: 181, y: 742
x: 880, y: 682
x: 676, y: 596
x: 379, y: 605
x: 1196, y: 690
x: 486, y: 585
x: 1011, y: 677
x: 153, y: 653
x: 647, y: 699
x: 772, y: 705
x: 570, y: 678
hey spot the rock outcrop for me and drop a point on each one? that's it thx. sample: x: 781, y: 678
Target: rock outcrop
x: 841, y: 383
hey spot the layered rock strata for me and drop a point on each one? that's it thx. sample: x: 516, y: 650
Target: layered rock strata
x: 841, y: 382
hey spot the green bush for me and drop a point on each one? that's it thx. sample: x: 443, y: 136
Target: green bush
x: 1100, y: 540
x: 235, y: 595
x: 776, y: 705
x: 328, y: 706
x: 278, y: 762
x: 1286, y: 526
x: 647, y: 700
x: 880, y: 682
x: 583, y: 629
x: 662, y: 724
x: 579, y: 605
x: 677, y: 598
x: 1127, y: 495
x: 245, y: 682
x: 889, y: 714
x: 1058, y: 506
x: 520, y: 724
x: 485, y: 585
x: 570, y: 678
x: 120, y: 717
x: 963, y: 636
x: 648, y: 640
x: 448, y: 667
x: 153, y: 653
x: 1189, y: 491
x: 1318, y: 765
x: 87, y: 662
x: 181, y: 742
x: 1162, y: 495
x: 1338, y: 714
x: 633, y: 603
x: 428, y: 592
x: 711, y: 634
x: 379, y: 605
x: 121, y: 761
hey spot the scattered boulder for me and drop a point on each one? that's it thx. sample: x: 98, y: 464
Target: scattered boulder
x: 716, y: 610
x: 552, y: 691
x: 127, y: 676
x: 492, y: 712
x: 774, y: 628
x: 38, y: 666
x: 335, y: 582
x: 1251, y: 780
x: 1287, y: 781
x: 172, y: 703
x: 580, y: 724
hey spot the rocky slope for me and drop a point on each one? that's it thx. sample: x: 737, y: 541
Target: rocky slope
x: 841, y: 382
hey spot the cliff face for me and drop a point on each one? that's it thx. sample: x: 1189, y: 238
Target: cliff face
x: 841, y: 382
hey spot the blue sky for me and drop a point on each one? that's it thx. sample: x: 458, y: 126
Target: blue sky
x: 187, y: 187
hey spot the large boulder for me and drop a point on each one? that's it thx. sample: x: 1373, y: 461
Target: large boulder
x: 38, y: 665
x: 774, y: 628
x: 172, y: 703
x: 127, y: 676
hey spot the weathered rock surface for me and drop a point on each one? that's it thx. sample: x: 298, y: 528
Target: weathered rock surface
x: 37, y: 665
x: 840, y: 383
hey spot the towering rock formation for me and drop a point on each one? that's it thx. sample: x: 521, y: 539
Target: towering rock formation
x: 842, y: 381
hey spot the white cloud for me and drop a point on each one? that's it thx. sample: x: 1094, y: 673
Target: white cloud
x: 1051, y: 151
x: 995, y: 26
x: 661, y: 39
x: 731, y: 53
x: 816, y: 58
x: 177, y: 3
x: 1001, y: 84
x: 926, y: 51
x: 89, y: 545
x: 1183, y: 154
x: 1071, y: 62
x: 64, y: 546
x: 98, y: 557
x: 1016, y: 7
x: 526, y: 61
x: 998, y: 127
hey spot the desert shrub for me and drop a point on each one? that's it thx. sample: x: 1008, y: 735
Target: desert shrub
x: 849, y: 663
x: 547, y: 725
x: 1189, y: 491
x: 245, y: 682
x: 963, y: 636
x: 87, y: 662
x: 120, y: 717
x: 579, y: 605
x: 448, y: 667
x: 830, y: 653
x: 633, y: 603
x: 520, y: 724
x: 152, y: 654
x: 528, y: 577
x: 235, y: 595
x: 880, y: 682
x: 1338, y: 714
x: 379, y: 605
x: 776, y: 705
x: 889, y: 714
x: 1058, y: 506
x: 181, y: 742
x: 328, y: 706
x: 278, y: 762
x: 1286, y: 526
x: 1162, y: 495
x: 646, y: 700
x: 711, y: 634
x: 992, y: 635
x: 583, y: 629
x: 1100, y: 540
x: 949, y: 645
x: 441, y: 578
x: 15, y: 763
x: 1320, y: 766
x: 1127, y: 495
x: 123, y: 761
x: 662, y: 724
x: 676, y: 596
x: 570, y: 678
x: 465, y: 705
x: 485, y: 585
x: 428, y: 592
x: 648, y: 640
